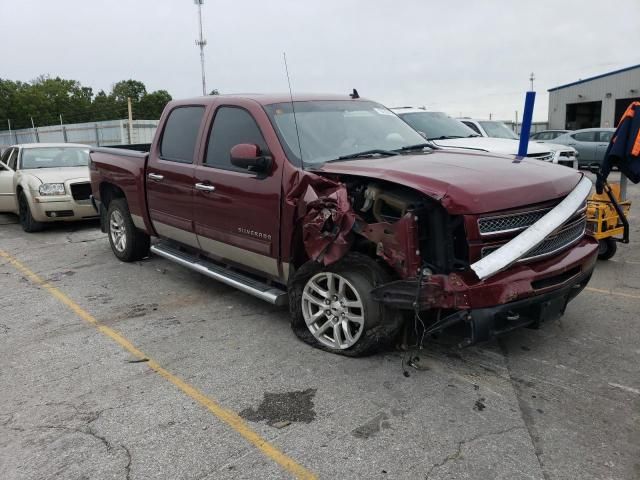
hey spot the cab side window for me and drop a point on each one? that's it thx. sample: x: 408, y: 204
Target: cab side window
x: 605, y: 136
x: 5, y: 156
x: 472, y: 126
x: 13, y: 159
x: 585, y: 136
x: 180, y: 134
x: 231, y: 126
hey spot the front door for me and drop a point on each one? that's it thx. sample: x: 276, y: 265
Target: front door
x: 170, y: 175
x: 237, y: 214
x: 7, y: 174
x: 604, y: 137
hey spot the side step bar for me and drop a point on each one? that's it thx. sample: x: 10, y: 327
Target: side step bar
x: 259, y: 289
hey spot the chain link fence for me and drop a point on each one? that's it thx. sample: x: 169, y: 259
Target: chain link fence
x: 110, y: 132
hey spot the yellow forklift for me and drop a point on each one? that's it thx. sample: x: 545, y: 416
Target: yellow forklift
x: 607, y: 216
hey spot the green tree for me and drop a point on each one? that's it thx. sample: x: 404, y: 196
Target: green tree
x: 151, y: 105
x: 46, y: 98
x: 128, y: 88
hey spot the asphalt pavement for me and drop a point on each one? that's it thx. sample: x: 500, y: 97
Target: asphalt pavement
x: 147, y: 370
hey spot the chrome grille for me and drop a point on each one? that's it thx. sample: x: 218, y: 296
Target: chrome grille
x: 81, y: 191
x: 510, y: 223
x: 567, y: 236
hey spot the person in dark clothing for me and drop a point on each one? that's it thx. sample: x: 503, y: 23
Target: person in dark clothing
x: 624, y: 149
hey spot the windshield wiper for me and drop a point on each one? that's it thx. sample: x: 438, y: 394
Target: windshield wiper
x: 445, y: 137
x: 419, y: 146
x: 473, y: 135
x: 366, y: 153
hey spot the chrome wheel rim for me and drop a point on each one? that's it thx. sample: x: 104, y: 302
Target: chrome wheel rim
x: 333, y: 310
x: 118, y: 231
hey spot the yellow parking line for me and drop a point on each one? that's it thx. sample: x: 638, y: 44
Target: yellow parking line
x: 609, y: 292
x: 227, y: 416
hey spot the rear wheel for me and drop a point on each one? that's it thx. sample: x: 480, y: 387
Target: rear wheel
x: 607, y: 248
x: 127, y: 242
x: 27, y: 222
x: 332, y: 307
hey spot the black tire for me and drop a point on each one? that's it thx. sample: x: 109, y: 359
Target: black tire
x: 136, y: 243
x: 381, y: 325
x: 607, y: 248
x: 27, y: 222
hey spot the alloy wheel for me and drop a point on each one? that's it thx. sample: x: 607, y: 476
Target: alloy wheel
x: 333, y: 310
x: 118, y: 231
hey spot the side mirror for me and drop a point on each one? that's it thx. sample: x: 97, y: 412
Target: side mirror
x: 249, y: 157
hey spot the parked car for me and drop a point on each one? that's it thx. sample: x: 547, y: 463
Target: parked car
x: 341, y: 211
x: 547, y: 135
x: 489, y: 128
x: 564, y: 155
x: 448, y: 132
x: 591, y: 143
x: 46, y: 182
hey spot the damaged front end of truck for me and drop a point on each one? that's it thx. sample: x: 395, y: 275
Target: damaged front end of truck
x: 450, y: 269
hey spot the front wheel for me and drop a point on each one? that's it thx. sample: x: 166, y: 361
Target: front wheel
x: 607, y: 248
x: 127, y: 242
x: 332, y: 307
x: 27, y: 222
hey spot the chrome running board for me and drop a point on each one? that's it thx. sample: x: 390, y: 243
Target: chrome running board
x: 262, y: 290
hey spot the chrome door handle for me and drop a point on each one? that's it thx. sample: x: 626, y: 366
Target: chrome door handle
x: 204, y: 187
x: 155, y: 176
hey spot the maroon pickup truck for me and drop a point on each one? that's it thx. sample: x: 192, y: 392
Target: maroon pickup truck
x: 336, y: 207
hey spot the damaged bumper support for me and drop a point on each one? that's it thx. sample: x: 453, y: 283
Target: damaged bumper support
x: 525, y: 294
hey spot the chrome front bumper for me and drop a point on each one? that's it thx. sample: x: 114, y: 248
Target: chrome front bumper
x: 533, y: 236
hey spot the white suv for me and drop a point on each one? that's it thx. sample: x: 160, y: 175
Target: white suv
x: 445, y: 131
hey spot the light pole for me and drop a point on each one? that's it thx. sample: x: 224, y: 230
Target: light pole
x: 201, y: 42
x: 531, y: 79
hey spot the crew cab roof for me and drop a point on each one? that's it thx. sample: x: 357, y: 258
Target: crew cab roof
x: 265, y: 98
x: 46, y: 145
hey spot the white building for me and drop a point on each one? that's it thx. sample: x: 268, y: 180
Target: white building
x: 598, y: 101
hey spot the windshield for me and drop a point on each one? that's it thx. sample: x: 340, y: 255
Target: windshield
x: 330, y: 129
x: 53, y: 157
x: 498, y: 130
x: 437, y: 125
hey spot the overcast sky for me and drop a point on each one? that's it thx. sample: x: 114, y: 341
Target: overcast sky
x: 466, y: 58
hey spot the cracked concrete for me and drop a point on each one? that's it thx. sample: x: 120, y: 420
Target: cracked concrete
x: 457, y: 454
x: 558, y: 403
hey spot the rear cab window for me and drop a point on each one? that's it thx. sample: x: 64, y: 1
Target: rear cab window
x: 231, y: 126
x: 181, y: 133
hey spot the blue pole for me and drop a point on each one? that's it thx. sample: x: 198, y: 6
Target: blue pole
x: 529, y: 100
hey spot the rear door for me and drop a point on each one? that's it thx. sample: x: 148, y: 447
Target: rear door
x: 170, y: 174
x: 7, y: 174
x: 237, y: 213
x: 585, y: 143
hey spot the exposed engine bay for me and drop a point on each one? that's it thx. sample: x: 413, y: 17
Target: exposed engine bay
x: 406, y: 229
